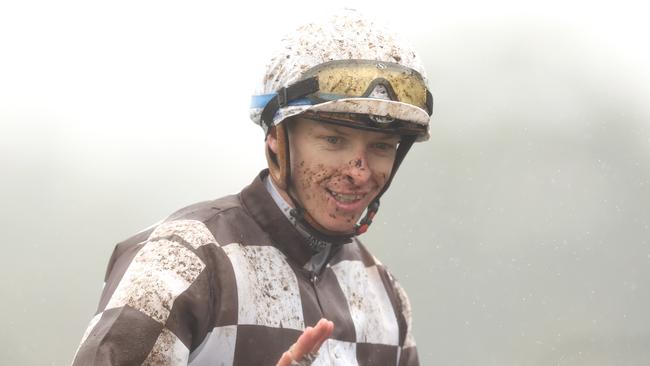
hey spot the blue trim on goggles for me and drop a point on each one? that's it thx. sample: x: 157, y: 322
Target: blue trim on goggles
x: 260, y: 101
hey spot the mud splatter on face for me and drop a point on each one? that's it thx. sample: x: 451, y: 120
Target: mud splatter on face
x: 335, y: 172
x: 316, y: 185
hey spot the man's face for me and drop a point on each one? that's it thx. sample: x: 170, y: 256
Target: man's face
x: 337, y: 171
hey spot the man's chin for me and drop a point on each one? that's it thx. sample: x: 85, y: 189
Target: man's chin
x: 339, y: 227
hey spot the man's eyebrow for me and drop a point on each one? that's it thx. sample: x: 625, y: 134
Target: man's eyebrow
x: 334, y: 128
x: 387, y: 137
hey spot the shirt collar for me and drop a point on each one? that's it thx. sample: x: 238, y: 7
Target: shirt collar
x: 259, y: 203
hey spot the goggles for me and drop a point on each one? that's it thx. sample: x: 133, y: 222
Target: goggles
x: 342, y: 79
x: 359, y: 79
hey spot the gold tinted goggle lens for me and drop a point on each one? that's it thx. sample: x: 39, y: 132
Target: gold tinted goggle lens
x: 358, y: 78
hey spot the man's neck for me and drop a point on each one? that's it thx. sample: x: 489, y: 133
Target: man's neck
x: 316, y: 244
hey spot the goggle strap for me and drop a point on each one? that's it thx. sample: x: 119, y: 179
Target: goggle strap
x: 429, y: 103
x: 286, y: 94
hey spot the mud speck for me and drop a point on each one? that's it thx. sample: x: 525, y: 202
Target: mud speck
x: 270, y: 294
x: 160, y: 272
x: 193, y: 232
x: 168, y: 350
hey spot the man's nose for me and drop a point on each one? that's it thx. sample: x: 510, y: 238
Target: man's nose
x: 357, y: 170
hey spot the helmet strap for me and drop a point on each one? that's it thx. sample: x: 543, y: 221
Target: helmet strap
x: 279, y: 163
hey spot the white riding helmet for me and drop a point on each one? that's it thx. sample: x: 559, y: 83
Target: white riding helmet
x: 347, y: 70
x: 347, y: 44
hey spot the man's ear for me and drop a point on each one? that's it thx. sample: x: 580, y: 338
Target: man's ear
x: 277, y: 156
x: 272, y: 140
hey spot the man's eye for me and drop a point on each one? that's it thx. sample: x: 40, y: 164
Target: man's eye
x: 383, y: 146
x: 333, y: 139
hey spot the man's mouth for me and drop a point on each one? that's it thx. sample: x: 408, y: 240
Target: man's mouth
x: 346, y: 197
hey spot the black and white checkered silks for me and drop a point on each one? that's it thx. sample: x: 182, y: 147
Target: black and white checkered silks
x: 223, y: 283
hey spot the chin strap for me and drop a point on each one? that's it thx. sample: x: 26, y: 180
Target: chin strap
x: 314, y: 231
x: 365, y: 222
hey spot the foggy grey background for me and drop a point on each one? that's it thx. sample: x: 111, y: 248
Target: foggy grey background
x: 520, y: 230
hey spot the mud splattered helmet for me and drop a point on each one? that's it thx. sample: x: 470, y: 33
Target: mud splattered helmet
x: 346, y: 70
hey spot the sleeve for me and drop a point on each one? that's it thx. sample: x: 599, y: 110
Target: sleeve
x: 155, y: 305
x: 408, y: 355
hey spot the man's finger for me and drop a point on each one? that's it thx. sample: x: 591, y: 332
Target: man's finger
x: 309, y: 341
x: 323, y: 331
x: 304, y: 344
x: 285, y: 360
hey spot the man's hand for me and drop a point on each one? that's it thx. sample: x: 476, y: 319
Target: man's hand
x: 309, y: 341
